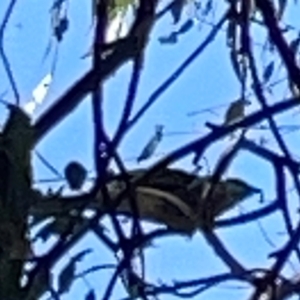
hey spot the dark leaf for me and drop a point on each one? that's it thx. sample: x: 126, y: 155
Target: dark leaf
x: 176, y: 10
x: 61, y: 28
x: 90, y: 295
x: 66, y: 277
x: 58, y: 4
x: 295, y: 44
x: 79, y: 256
x: 64, y: 24
x: 268, y: 71
x: 171, y: 39
x: 152, y: 144
x: 95, y: 269
x: 75, y: 175
x: 282, y: 7
x: 208, y: 7
x: 94, y: 8
x: 57, y: 226
x: 185, y: 27
x: 36, y: 220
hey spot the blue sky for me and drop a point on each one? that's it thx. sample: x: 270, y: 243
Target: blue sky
x: 208, y: 82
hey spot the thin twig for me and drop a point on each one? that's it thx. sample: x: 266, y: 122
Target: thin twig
x: 174, y: 76
x: 3, y: 54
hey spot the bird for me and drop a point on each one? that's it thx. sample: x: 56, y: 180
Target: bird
x: 152, y: 144
x: 236, y: 111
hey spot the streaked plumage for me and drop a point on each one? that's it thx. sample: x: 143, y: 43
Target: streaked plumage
x: 152, y: 144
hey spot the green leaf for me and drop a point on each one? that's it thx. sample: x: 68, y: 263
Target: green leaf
x: 117, y: 6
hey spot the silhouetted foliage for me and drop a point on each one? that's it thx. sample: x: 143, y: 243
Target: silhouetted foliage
x: 182, y: 201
